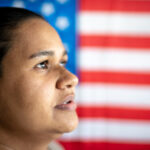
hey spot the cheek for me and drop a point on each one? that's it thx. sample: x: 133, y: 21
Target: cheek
x: 35, y: 92
x: 33, y: 101
x: 30, y: 99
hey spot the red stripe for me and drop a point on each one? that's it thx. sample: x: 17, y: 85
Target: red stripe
x: 114, y: 41
x: 115, y: 5
x: 100, y: 145
x: 115, y: 77
x: 113, y: 112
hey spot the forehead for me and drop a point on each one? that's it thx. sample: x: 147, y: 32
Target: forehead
x: 36, y: 35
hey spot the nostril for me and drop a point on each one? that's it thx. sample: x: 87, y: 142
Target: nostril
x: 62, y: 84
x: 69, y: 86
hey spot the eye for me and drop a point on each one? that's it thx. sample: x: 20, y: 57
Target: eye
x: 43, y: 65
x: 63, y: 63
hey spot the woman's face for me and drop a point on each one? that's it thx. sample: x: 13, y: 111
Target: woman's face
x: 36, y: 91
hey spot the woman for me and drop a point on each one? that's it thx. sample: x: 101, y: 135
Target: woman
x: 36, y: 91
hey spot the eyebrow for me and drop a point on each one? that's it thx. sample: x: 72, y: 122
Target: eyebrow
x: 45, y: 53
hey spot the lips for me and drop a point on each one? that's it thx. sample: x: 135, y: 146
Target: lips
x: 67, y: 104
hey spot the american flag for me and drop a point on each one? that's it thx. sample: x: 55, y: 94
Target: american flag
x: 108, y: 42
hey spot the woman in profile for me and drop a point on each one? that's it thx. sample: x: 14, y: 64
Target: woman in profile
x: 36, y: 90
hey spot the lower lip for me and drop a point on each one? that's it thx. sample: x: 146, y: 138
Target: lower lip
x: 70, y: 106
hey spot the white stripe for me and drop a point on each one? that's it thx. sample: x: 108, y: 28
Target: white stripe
x: 113, y: 130
x: 114, y: 23
x: 117, y: 95
x: 91, y: 58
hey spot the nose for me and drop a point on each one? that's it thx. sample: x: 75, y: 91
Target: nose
x: 66, y: 80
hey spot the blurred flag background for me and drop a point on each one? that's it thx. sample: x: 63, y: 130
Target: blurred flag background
x: 108, y: 42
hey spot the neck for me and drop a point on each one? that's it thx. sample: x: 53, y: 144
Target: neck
x: 16, y: 141
x: 5, y: 147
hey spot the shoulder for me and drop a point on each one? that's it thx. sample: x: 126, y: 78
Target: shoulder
x: 55, y: 146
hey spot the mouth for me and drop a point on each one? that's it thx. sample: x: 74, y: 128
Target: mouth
x: 67, y: 104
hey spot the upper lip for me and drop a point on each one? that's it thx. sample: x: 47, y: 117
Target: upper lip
x: 67, y: 98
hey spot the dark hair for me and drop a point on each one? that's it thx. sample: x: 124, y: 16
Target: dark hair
x: 10, y: 19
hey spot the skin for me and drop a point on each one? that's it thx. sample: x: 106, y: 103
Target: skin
x: 32, y: 84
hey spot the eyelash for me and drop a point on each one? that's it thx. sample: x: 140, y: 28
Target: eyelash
x: 63, y: 63
x: 46, y: 64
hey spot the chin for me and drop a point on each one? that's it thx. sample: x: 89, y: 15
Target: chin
x: 71, y: 125
x: 67, y: 122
